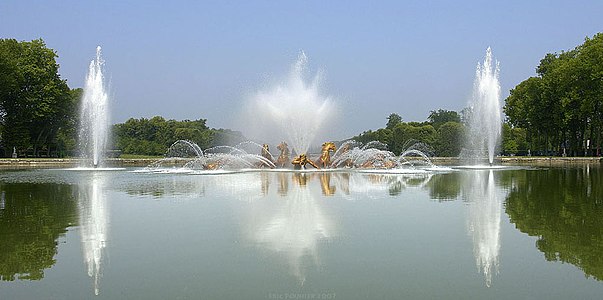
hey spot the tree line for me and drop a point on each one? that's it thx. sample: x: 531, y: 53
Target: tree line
x: 39, y: 113
x: 558, y: 111
x: 154, y: 136
x: 37, y: 109
x: 561, y: 108
x: 442, y: 133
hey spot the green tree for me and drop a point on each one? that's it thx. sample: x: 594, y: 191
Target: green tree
x: 35, y: 103
x: 449, y: 139
x: 393, y: 120
x: 441, y: 116
x: 513, y: 139
x: 405, y: 134
x: 563, y: 106
x: 154, y: 136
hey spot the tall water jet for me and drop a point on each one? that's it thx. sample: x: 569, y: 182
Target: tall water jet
x: 94, y: 114
x: 296, y: 110
x: 485, y: 119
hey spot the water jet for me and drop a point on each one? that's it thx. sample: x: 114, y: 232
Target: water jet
x: 94, y: 114
x: 485, y: 117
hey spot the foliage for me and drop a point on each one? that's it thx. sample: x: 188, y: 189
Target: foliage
x: 405, y: 132
x: 449, y: 139
x: 154, y: 136
x: 393, y: 120
x: 446, y: 140
x: 36, y: 105
x: 382, y: 135
x: 513, y: 140
x: 562, y: 107
x: 442, y: 116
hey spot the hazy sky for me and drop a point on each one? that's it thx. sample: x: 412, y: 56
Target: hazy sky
x: 206, y: 59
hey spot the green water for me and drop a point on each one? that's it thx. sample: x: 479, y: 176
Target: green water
x: 512, y: 233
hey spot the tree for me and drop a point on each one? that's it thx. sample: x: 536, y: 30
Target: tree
x: 513, y: 139
x: 404, y: 134
x: 562, y: 107
x: 35, y: 102
x: 382, y: 135
x: 441, y: 116
x: 154, y: 136
x: 449, y: 139
x: 393, y: 120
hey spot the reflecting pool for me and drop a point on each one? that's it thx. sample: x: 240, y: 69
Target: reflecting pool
x: 502, y: 233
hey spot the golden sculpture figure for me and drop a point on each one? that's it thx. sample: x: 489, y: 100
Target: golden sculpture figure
x: 300, y: 162
x: 283, y: 158
x: 325, y: 157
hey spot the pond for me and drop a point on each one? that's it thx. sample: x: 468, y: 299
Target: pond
x: 507, y: 233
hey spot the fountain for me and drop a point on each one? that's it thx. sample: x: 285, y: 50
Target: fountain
x: 187, y: 157
x: 375, y: 156
x: 94, y: 114
x: 294, y: 109
x: 484, y: 125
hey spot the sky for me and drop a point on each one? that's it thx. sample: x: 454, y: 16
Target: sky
x: 207, y: 59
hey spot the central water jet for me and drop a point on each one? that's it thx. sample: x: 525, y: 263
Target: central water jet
x: 94, y: 114
x: 295, y: 109
x: 485, y: 119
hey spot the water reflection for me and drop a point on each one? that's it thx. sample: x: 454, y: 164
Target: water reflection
x: 563, y: 208
x: 94, y: 222
x: 32, y: 219
x: 485, y: 206
x: 292, y: 226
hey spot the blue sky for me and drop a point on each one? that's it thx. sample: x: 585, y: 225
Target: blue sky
x: 205, y: 59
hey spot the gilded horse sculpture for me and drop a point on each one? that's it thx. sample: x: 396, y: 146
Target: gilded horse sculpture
x: 283, y: 158
x: 325, y: 157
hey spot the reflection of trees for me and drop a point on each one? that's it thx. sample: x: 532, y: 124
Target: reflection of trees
x: 32, y: 218
x: 159, y: 187
x: 445, y: 186
x: 564, y: 209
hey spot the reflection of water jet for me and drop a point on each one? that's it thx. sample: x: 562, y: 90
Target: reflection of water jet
x: 484, y: 220
x: 294, y: 226
x: 93, y: 220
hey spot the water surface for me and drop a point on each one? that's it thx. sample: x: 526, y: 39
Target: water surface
x: 501, y: 234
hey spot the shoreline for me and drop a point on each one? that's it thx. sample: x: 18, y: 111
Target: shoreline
x: 12, y: 163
